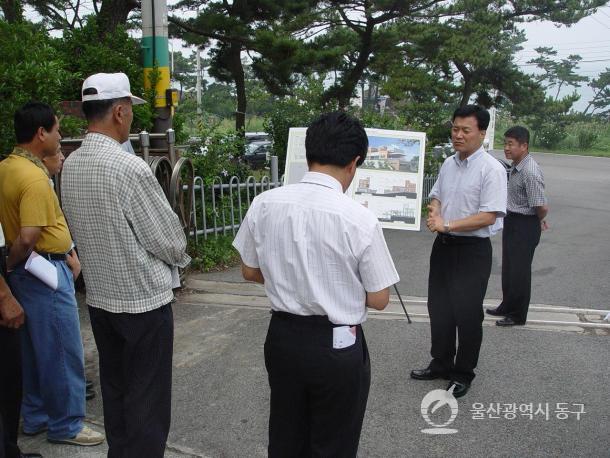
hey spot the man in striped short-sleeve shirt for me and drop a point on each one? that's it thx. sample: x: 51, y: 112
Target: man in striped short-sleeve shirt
x: 527, y: 210
x: 323, y: 259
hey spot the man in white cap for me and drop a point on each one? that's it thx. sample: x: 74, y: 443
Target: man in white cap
x: 128, y: 239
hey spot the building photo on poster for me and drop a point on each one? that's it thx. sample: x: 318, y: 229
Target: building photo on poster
x: 389, y: 182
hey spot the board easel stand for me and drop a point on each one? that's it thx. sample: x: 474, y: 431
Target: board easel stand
x: 403, y: 304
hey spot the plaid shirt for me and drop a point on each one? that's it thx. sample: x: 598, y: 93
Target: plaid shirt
x: 125, y: 231
x: 526, y: 187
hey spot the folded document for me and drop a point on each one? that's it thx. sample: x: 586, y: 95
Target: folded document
x: 43, y: 270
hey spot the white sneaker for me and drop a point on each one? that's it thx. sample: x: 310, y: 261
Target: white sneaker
x: 86, y: 437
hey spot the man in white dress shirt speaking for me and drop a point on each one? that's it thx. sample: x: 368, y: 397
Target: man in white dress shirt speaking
x: 468, y: 202
x: 323, y: 259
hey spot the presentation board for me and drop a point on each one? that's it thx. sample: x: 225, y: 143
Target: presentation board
x: 389, y: 183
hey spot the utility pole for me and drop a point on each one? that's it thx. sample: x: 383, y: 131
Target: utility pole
x: 155, y: 45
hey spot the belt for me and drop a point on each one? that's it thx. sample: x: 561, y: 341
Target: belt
x: 447, y: 239
x: 316, y: 320
x: 53, y: 256
x: 521, y: 215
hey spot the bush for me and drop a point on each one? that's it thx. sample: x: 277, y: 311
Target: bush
x: 213, y: 253
x: 286, y: 113
x: 31, y: 68
x: 85, y: 53
x: 218, y: 154
x: 586, y: 138
x: 550, y: 135
x: 72, y: 127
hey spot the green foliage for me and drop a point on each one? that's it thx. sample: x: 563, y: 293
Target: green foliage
x: 31, y: 68
x: 71, y: 126
x: 218, y: 154
x: 288, y: 112
x: 558, y: 74
x: 601, y: 98
x: 85, y: 53
x: 586, y: 138
x: 213, y: 253
x: 549, y: 135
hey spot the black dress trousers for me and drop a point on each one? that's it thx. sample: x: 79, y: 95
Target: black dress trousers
x: 520, y: 238
x: 318, y: 394
x: 459, y: 273
x: 135, y: 355
x: 10, y: 391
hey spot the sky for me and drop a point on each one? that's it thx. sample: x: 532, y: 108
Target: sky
x: 589, y: 38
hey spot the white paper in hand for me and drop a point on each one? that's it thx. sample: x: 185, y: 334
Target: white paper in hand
x: 43, y: 270
x: 344, y: 336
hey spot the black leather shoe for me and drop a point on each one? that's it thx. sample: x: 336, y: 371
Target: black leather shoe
x: 30, y: 455
x: 494, y: 312
x: 459, y: 388
x: 426, y: 374
x: 508, y: 321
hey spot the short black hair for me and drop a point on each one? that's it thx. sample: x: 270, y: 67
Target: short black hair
x: 336, y: 138
x: 519, y: 133
x: 480, y: 113
x: 94, y: 110
x: 31, y: 117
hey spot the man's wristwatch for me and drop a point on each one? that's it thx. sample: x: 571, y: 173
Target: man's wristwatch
x: 446, y: 227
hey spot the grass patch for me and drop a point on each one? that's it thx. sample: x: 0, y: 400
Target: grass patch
x: 213, y: 254
x: 581, y: 138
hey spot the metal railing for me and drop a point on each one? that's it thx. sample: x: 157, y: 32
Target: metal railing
x: 429, y: 181
x: 220, y: 207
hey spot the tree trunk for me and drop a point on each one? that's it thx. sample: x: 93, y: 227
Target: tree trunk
x: 467, y: 90
x: 114, y: 13
x: 12, y: 10
x: 343, y: 91
x: 237, y: 72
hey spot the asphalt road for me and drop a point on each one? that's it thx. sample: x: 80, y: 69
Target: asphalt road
x: 220, y: 398
x: 572, y: 263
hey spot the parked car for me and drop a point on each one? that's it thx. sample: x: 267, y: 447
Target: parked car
x: 258, y: 153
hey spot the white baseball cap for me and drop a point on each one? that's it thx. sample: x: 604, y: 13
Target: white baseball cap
x: 109, y: 86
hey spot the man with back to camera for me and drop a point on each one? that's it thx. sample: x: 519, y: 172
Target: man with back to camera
x: 467, y: 198
x: 524, y: 222
x: 52, y: 349
x: 128, y: 238
x: 323, y: 259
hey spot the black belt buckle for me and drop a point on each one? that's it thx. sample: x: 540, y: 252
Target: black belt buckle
x: 53, y: 256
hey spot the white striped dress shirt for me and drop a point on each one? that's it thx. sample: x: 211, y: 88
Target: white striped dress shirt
x: 319, y: 250
x: 470, y: 186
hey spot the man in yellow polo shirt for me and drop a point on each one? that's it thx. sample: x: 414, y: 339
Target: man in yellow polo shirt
x: 52, y: 350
